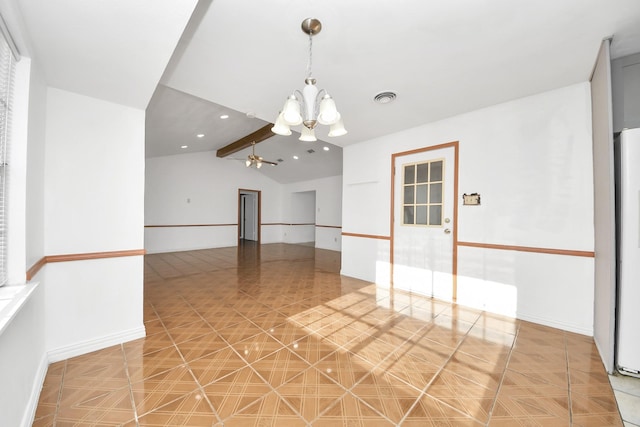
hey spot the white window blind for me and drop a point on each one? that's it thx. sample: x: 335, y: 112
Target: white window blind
x: 7, y: 69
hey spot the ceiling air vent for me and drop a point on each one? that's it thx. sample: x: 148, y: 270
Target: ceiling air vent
x: 385, y: 97
x: 311, y: 151
x: 280, y: 160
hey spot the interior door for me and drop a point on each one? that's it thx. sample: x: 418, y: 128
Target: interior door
x: 424, y: 222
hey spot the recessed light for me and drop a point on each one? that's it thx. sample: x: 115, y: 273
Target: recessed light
x: 184, y: 146
x: 200, y: 135
x: 224, y: 116
x: 325, y: 148
x: 295, y: 157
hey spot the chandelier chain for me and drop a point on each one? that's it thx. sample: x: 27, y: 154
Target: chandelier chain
x: 310, y: 63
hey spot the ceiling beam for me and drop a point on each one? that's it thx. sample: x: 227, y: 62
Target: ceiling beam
x: 244, y: 142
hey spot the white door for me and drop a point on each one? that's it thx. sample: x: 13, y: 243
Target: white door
x: 424, y: 198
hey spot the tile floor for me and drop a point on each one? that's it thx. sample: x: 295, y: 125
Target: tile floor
x: 627, y: 392
x: 274, y: 336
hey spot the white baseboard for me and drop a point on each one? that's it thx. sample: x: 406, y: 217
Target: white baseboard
x: 88, y: 346
x: 30, y: 409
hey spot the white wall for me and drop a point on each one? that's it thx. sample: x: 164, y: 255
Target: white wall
x: 531, y: 161
x: 94, y: 193
x: 199, y: 188
x: 328, y: 209
x: 301, y: 212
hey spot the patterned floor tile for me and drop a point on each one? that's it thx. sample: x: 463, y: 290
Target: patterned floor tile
x: 161, y: 389
x: 196, y: 348
x: 287, y: 333
x: 280, y: 367
x: 141, y: 366
x: 216, y: 365
x: 312, y: 348
x: 351, y: 412
x: 464, y: 395
x: 432, y: 412
x: 231, y: 394
x: 240, y: 331
x: 310, y: 393
x: 190, y: 331
x: 189, y: 410
x: 96, y: 408
x: 256, y: 347
x: 269, y: 411
x: 345, y: 368
x: 386, y: 394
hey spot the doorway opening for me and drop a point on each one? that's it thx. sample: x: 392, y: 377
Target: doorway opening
x: 249, y: 215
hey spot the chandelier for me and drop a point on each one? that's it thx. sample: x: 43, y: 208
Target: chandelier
x: 309, y: 106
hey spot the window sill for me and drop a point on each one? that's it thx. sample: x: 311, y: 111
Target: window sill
x: 12, y: 298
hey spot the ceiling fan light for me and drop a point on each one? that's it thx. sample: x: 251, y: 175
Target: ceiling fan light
x: 307, y: 135
x: 259, y: 164
x: 291, y: 112
x: 328, y: 112
x: 337, y: 129
x: 280, y: 127
x: 248, y: 163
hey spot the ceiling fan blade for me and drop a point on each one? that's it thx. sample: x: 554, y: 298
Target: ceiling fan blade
x: 270, y: 163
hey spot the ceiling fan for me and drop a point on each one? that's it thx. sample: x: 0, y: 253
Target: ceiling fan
x: 252, y: 159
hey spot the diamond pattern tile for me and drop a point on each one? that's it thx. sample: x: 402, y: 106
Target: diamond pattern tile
x: 388, y: 395
x: 310, y: 393
x: 280, y: 367
x: 161, y: 389
x: 189, y: 410
x: 270, y: 411
x: 464, y: 395
x: 351, y: 411
x: 216, y: 365
x: 196, y: 348
x: 256, y: 347
x: 272, y: 335
x: 236, y: 391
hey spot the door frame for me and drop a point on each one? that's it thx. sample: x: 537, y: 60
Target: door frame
x: 394, y: 156
x: 242, y: 191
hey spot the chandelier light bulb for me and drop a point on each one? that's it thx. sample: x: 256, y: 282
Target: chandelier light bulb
x: 328, y: 112
x: 291, y: 112
x: 307, y: 135
x: 280, y: 127
x: 337, y: 129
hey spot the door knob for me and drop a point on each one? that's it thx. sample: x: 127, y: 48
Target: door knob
x: 447, y: 231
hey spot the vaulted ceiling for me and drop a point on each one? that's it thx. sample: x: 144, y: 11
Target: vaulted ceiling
x: 243, y: 57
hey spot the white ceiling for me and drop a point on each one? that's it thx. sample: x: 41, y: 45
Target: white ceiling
x: 245, y: 56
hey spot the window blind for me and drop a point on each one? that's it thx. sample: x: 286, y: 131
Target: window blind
x: 7, y: 70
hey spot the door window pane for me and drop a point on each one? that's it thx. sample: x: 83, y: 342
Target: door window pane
x: 422, y: 193
x: 409, y: 174
x: 408, y: 195
x: 435, y: 215
x: 436, y: 171
x: 422, y: 172
x: 421, y: 215
x: 408, y: 215
x: 435, y: 196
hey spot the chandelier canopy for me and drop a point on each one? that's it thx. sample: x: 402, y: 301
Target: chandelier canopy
x: 309, y: 106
